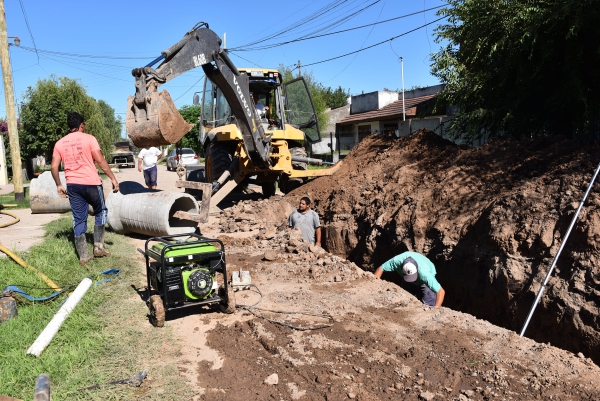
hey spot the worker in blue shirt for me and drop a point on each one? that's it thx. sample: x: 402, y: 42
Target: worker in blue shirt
x: 417, y: 269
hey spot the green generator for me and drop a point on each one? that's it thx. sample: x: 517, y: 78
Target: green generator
x: 185, y: 270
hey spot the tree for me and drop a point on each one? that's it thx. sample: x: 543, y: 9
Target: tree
x: 335, y: 98
x: 514, y: 67
x: 190, y: 140
x: 44, y: 112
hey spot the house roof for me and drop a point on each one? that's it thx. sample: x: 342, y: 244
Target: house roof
x: 390, y: 112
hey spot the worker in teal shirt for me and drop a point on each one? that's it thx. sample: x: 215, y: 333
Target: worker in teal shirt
x: 417, y: 269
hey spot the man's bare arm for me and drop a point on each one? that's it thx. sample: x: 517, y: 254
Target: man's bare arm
x: 439, y: 297
x: 318, y: 236
x: 101, y: 161
x: 54, y: 166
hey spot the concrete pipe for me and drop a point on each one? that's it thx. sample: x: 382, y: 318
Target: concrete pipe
x: 43, y: 196
x: 137, y: 209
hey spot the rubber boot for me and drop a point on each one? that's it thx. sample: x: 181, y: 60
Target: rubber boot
x: 82, y: 249
x: 99, y: 250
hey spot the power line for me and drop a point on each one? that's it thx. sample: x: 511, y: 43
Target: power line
x: 334, y: 33
x: 245, y: 59
x: 195, y: 83
x: 315, y: 16
x: 77, y: 61
x: 86, y: 55
x: 376, y: 44
x: 28, y: 27
x: 361, y: 46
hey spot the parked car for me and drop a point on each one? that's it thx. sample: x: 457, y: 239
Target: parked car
x: 188, y: 157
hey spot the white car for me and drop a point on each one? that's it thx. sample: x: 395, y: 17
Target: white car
x: 188, y: 157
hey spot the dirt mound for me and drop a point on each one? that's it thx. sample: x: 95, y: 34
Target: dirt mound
x: 491, y: 218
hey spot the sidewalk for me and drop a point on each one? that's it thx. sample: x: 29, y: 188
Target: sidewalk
x: 8, y: 188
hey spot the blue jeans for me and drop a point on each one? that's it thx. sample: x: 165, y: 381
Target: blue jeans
x: 150, y: 176
x: 80, y: 198
x: 428, y: 296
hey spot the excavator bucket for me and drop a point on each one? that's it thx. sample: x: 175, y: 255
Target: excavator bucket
x: 158, y: 124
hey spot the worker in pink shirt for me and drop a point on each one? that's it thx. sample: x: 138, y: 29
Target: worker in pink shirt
x: 78, y: 152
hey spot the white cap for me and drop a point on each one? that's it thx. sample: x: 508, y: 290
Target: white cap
x: 410, y: 271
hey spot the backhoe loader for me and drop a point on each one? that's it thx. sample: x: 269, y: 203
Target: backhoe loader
x: 240, y: 141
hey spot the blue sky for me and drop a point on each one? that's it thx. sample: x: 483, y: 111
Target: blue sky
x: 99, y: 43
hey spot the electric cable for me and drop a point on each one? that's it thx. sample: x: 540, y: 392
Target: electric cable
x: 190, y: 88
x: 332, y: 24
x: 376, y: 44
x: 333, y: 33
x: 305, y: 22
x: 361, y: 46
x: 84, y: 55
x: 29, y: 28
x: 315, y: 15
x: 252, y: 308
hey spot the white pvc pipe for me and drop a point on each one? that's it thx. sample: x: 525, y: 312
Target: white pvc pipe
x: 51, y: 329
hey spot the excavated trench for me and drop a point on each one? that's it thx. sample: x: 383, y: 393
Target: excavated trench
x: 491, y: 219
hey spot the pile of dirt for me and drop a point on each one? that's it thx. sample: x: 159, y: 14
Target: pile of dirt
x: 491, y: 218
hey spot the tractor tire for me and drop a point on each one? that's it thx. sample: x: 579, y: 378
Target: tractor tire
x: 218, y: 159
x: 269, y: 189
x: 227, y: 305
x: 157, y: 311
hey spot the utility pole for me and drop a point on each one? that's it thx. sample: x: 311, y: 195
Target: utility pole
x: 3, y: 169
x: 403, y: 105
x: 11, y: 115
x: 299, y: 68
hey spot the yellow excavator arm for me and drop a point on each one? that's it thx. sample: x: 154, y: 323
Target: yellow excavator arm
x: 152, y: 118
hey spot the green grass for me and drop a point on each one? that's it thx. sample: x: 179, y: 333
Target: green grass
x: 107, y: 337
x: 9, y: 199
x: 316, y: 167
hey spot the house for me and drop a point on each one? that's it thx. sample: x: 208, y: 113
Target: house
x: 383, y: 112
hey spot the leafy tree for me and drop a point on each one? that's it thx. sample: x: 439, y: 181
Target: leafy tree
x: 112, y: 122
x: 44, y: 116
x: 335, y: 98
x: 190, y: 140
x: 515, y: 67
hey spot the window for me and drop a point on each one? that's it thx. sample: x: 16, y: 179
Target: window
x: 363, y: 131
x: 390, y: 128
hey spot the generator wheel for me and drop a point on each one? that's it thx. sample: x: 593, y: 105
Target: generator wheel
x: 157, y: 311
x: 269, y: 189
x: 228, y: 305
x: 218, y: 159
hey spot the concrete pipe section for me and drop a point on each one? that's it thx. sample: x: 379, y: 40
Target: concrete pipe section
x: 43, y: 195
x: 137, y: 209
